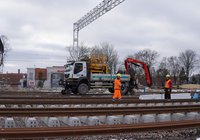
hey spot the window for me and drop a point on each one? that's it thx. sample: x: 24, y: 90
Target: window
x: 78, y: 68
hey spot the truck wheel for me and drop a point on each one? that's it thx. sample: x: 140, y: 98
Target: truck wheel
x: 83, y: 88
x: 124, y: 88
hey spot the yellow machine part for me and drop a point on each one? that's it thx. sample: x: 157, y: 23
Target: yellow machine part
x: 98, y: 64
x: 99, y: 68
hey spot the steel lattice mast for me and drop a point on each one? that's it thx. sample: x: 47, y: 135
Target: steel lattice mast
x: 92, y: 15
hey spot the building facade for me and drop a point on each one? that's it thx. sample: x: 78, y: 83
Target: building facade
x: 13, y: 80
x: 45, y: 77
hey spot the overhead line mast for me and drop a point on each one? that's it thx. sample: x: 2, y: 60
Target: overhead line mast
x: 92, y: 15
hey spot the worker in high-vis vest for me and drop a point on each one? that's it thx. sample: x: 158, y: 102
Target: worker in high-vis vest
x: 117, y: 88
x: 168, y: 87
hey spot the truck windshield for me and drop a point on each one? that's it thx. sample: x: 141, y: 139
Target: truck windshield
x: 68, y: 67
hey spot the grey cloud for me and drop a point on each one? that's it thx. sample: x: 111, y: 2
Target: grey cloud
x: 165, y: 26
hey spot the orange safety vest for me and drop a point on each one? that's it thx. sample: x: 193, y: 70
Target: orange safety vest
x: 117, y: 84
x: 168, y: 83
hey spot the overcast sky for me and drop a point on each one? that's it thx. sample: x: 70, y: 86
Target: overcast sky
x: 40, y: 30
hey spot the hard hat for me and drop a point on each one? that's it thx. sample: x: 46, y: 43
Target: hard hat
x: 167, y: 76
x: 119, y: 75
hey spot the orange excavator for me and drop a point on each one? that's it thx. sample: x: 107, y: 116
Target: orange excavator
x: 129, y: 62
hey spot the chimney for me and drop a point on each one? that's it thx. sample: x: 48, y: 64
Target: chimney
x: 18, y: 71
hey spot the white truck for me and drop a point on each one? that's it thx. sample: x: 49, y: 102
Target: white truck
x: 79, y: 78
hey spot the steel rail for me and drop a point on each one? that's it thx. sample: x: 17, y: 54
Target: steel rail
x: 91, y: 93
x: 38, y: 112
x: 31, y: 101
x: 94, y: 130
x: 63, y: 97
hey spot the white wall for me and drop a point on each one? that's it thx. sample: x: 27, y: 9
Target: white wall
x: 31, y: 77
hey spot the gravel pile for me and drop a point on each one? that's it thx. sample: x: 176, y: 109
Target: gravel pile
x: 182, y: 134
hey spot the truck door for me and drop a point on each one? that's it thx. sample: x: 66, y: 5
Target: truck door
x: 79, y: 70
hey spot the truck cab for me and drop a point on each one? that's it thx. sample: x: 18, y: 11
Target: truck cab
x: 76, y: 78
x: 76, y: 70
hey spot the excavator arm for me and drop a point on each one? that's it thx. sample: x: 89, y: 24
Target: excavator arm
x: 143, y: 65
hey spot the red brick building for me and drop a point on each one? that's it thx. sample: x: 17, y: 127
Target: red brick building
x: 12, y: 79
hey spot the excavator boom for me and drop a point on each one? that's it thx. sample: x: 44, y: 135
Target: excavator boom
x: 139, y: 63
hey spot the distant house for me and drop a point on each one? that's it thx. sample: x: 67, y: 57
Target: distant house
x: 13, y: 79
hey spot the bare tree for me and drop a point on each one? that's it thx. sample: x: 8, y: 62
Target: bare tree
x: 96, y: 51
x: 112, y: 56
x: 4, y: 49
x: 72, y: 53
x: 148, y: 56
x: 79, y: 54
x: 182, y: 76
x: 109, y: 54
x: 162, y: 71
x: 188, y: 60
x: 174, y: 67
x: 198, y: 63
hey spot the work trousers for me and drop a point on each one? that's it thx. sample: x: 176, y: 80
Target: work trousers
x: 167, y: 93
x: 117, y: 94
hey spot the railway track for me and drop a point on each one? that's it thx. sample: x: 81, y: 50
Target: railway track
x: 91, y: 106
x: 39, y: 112
x: 58, y: 94
x: 91, y: 100
x: 63, y: 97
x: 94, y: 130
